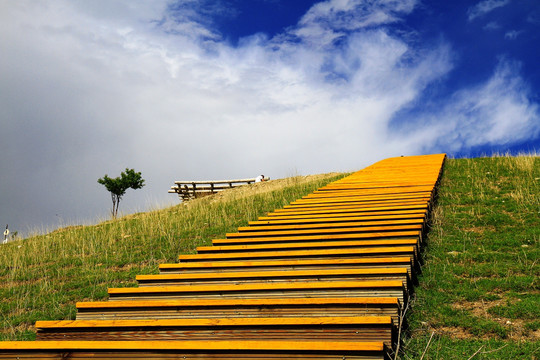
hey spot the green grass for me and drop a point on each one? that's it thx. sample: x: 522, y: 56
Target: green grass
x: 42, y: 277
x: 479, y: 289
x: 478, y: 294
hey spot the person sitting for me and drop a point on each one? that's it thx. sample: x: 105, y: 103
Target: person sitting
x: 259, y: 178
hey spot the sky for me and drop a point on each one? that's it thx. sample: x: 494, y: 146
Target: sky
x: 224, y: 89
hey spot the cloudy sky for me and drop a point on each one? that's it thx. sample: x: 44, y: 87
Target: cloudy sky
x: 211, y: 89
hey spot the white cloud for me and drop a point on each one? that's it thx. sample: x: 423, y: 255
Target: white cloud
x: 155, y: 89
x: 512, y: 34
x: 492, y: 25
x: 497, y: 112
x: 484, y: 7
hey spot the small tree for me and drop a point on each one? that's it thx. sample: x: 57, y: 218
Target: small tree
x: 118, y: 186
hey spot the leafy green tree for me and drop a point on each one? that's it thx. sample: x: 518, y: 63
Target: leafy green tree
x: 118, y: 186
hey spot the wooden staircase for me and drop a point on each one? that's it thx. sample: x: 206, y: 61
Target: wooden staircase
x: 325, y: 277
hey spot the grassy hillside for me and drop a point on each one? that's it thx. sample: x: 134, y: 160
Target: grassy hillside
x: 479, y: 291
x: 41, y: 278
x: 478, y: 296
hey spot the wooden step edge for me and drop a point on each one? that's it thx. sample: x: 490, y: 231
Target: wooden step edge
x: 334, y: 225
x: 274, y: 274
x: 353, y: 205
x: 354, y: 193
x: 392, y: 301
x: 357, y: 235
x: 323, y: 214
x: 363, y: 195
x: 259, y: 287
x: 416, y: 216
x: 358, y: 206
x: 218, y: 322
x: 324, y: 238
x: 214, y: 345
x: 262, y: 243
x: 344, y: 214
x: 361, y: 185
x: 331, y: 230
x: 300, y: 253
x: 412, y: 241
x: 293, y: 262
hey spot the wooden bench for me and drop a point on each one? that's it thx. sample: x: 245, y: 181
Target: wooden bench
x: 187, y: 190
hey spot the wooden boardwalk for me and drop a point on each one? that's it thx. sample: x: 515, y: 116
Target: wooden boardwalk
x: 325, y: 277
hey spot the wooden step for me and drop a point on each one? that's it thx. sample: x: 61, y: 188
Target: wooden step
x: 412, y: 234
x: 292, y: 264
x: 414, y: 216
x: 301, y: 236
x: 229, y: 308
x: 408, y: 200
x: 246, y: 277
x: 381, y: 288
x: 334, y: 225
x: 368, y: 202
x: 306, y: 254
x: 349, y: 199
x: 219, y: 349
x: 310, y: 245
x: 351, y: 192
x: 332, y: 230
x: 350, y: 206
x: 319, y: 214
x: 374, y: 192
x: 369, y: 184
x: 368, y: 328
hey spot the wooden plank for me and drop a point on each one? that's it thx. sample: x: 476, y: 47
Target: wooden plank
x: 203, y: 308
x: 294, y: 274
x: 344, y: 212
x: 326, y: 253
x: 219, y: 349
x: 369, y: 328
x: 307, y: 245
x: 238, y: 302
x: 391, y: 201
x: 250, y: 265
x: 202, y: 182
x: 245, y: 277
x: 335, y: 200
x: 412, y: 216
x: 380, y: 288
x: 330, y: 225
x: 223, y: 322
x: 332, y: 230
x: 369, y: 209
x: 318, y: 238
x: 417, y: 190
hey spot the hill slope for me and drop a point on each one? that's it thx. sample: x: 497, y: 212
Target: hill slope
x: 479, y: 290
x: 41, y: 278
x: 478, y: 295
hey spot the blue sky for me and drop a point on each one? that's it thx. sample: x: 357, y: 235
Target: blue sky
x: 231, y: 89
